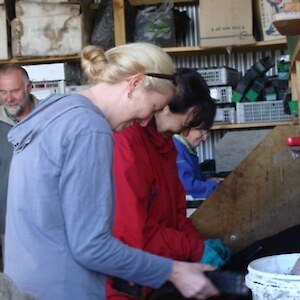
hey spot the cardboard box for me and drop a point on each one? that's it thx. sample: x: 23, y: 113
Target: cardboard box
x: 46, y: 36
x: 264, y: 11
x: 47, y: 1
x: 225, y: 23
x: 36, y: 9
x: 3, y: 34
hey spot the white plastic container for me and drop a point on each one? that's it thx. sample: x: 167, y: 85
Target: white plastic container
x: 269, y: 278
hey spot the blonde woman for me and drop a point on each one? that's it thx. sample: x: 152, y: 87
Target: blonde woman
x: 58, y: 243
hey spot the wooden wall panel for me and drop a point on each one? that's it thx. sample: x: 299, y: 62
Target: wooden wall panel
x: 261, y: 197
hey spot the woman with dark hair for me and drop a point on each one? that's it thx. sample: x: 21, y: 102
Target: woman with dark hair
x: 150, y: 208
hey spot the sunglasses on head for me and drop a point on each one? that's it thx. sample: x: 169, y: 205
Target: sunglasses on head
x: 171, y: 77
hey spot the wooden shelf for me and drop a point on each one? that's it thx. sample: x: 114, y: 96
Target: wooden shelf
x: 41, y: 60
x: 172, y: 50
x: 287, y: 23
x: 282, y: 43
x: 251, y: 125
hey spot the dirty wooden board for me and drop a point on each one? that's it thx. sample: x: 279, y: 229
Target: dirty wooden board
x: 259, y: 198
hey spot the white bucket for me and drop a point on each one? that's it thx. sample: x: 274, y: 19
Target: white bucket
x: 269, y: 279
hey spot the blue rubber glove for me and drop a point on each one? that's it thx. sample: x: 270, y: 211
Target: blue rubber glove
x: 215, y: 253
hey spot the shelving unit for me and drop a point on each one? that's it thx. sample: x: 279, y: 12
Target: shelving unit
x: 119, y: 9
x: 120, y: 34
x: 120, y: 38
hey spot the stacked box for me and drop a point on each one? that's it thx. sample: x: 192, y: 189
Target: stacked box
x: 225, y: 23
x: 220, y: 76
x: 225, y: 115
x: 221, y: 94
x: 264, y: 10
x: 3, y: 34
x: 262, y: 111
x: 45, y: 29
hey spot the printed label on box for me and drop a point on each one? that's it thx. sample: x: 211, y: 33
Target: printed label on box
x: 225, y: 23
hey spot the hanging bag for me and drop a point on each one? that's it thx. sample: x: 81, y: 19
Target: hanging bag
x: 156, y: 25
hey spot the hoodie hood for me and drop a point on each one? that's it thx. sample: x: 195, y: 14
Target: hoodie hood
x: 46, y: 112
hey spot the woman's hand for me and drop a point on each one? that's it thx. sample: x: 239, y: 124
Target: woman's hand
x: 190, y: 280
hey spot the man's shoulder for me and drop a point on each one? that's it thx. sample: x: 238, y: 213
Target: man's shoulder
x: 4, y: 125
x: 35, y: 100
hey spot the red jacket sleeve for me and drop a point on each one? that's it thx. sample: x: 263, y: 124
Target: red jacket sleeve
x: 150, y: 208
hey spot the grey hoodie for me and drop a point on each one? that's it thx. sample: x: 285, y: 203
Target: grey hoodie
x: 58, y: 242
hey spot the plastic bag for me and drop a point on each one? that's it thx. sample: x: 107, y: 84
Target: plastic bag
x: 156, y: 25
x: 103, y: 32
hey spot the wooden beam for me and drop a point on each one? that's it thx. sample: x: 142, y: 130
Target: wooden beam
x: 119, y: 22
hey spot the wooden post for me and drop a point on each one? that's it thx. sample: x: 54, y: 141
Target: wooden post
x: 119, y: 22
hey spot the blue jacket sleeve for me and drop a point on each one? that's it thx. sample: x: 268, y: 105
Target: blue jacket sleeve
x: 194, y: 182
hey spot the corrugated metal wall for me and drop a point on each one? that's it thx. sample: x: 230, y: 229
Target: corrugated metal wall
x: 241, y: 61
x: 206, y: 149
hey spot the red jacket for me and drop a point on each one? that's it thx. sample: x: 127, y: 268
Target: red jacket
x: 150, y: 208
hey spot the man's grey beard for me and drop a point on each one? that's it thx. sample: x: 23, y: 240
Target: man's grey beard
x: 17, y: 111
x: 14, y: 113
